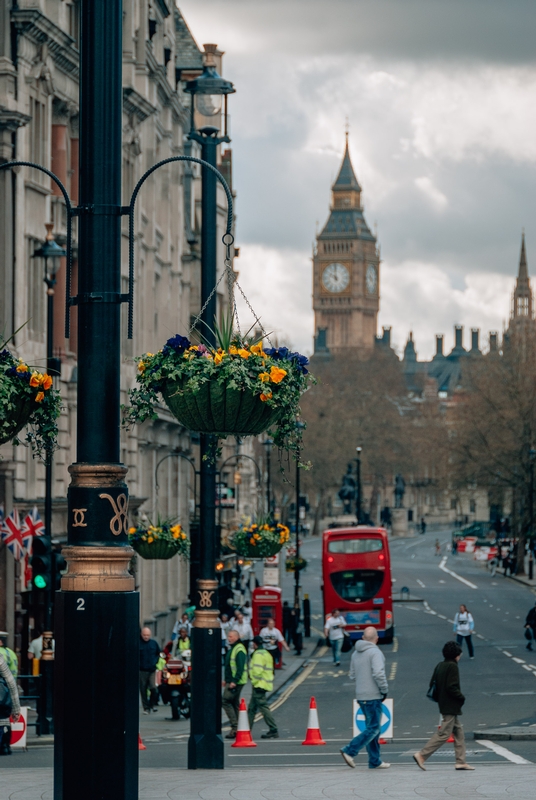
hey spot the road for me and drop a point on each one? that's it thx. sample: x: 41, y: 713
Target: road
x: 500, y: 683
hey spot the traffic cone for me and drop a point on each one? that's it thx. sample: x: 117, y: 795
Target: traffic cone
x: 313, y: 735
x: 243, y: 734
x: 141, y: 746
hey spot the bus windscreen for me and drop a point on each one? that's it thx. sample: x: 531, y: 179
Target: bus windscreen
x: 357, y: 585
x: 350, y: 546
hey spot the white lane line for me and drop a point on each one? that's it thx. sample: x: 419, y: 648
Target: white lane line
x: 502, y: 751
x: 441, y: 616
x: 454, y: 575
x: 527, y: 667
x: 518, y: 660
x: 506, y: 653
x: 421, y: 583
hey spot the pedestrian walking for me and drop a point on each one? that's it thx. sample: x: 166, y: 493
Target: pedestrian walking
x: 464, y: 626
x: 243, y: 628
x: 235, y: 678
x: 448, y: 695
x: 149, y: 657
x: 334, y: 632
x: 288, y: 620
x: 454, y: 547
x: 367, y: 667
x: 183, y: 642
x: 261, y: 675
x: 247, y: 611
x: 9, y: 656
x: 530, y: 627
x: 35, y: 648
x: 271, y: 636
x: 9, y: 706
x: 423, y: 525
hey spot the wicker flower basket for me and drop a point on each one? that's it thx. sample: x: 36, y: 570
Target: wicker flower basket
x: 259, y: 540
x: 294, y: 564
x: 156, y: 550
x: 217, y: 408
x: 18, y: 418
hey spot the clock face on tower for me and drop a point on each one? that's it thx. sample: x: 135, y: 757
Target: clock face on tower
x: 371, y: 279
x: 335, y: 278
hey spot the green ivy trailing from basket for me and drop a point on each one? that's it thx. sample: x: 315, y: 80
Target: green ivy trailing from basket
x: 294, y: 564
x: 27, y: 397
x: 262, y: 539
x: 262, y: 386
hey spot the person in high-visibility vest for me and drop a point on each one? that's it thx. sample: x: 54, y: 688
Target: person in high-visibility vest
x: 183, y: 642
x: 261, y: 674
x: 9, y: 656
x: 236, y: 676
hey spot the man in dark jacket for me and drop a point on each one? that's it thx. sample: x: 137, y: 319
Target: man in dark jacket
x: 450, y: 699
x: 530, y: 625
x: 149, y: 655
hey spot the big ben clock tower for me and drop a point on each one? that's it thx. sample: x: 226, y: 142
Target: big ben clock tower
x: 346, y: 272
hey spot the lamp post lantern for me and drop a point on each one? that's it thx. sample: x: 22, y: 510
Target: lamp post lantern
x: 205, y: 746
x: 358, y: 513
x: 51, y: 253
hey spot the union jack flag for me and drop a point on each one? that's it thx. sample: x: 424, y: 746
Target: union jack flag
x: 32, y: 526
x: 12, y: 534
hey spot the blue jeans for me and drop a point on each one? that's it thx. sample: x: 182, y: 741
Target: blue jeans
x: 372, y: 709
x: 336, y: 645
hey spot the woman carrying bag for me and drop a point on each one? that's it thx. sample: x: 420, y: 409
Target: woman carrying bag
x: 9, y: 706
x: 464, y: 626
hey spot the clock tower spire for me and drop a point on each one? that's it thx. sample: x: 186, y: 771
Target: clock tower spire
x: 346, y: 266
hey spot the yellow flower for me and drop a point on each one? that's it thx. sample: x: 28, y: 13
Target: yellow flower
x: 277, y: 374
x: 22, y: 366
x: 46, y: 382
x: 183, y: 536
x: 264, y: 377
x: 141, y: 366
x: 219, y: 356
x: 243, y: 353
x: 148, y: 355
x: 254, y: 526
x: 266, y: 396
x: 39, y: 397
x: 132, y: 530
x: 233, y: 351
x: 257, y: 350
x: 150, y: 539
x: 35, y: 380
x: 252, y: 541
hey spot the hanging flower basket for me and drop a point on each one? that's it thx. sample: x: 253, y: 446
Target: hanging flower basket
x: 260, y: 540
x: 160, y: 541
x: 27, y: 398
x: 239, y: 388
x: 294, y: 564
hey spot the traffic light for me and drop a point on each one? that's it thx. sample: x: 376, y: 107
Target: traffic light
x: 59, y: 566
x: 41, y: 562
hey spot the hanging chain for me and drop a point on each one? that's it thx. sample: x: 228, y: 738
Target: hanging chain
x: 207, y: 301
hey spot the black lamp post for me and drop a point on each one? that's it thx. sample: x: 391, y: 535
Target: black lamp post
x: 532, y: 459
x: 300, y: 425
x: 51, y: 253
x: 205, y: 746
x: 358, y: 513
x: 268, y: 444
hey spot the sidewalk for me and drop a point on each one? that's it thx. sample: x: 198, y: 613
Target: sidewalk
x: 159, y: 727
x: 316, y: 783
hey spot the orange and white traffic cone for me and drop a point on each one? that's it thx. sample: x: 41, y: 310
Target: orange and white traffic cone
x: 313, y: 735
x: 243, y: 733
x: 141, y: 746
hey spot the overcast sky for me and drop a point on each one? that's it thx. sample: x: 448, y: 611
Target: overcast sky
x: 441, y: 101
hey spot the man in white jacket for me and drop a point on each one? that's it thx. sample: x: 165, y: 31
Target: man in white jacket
x: 368, y: 668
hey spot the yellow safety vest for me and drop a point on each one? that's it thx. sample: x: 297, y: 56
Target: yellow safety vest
x: 11, y: 660
x: 184, y: 644
x: 261, y: 670
x: 239, y: 648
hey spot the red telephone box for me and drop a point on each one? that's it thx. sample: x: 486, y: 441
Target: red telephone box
x: 266, y: 602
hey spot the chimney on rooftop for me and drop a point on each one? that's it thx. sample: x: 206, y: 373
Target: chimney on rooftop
x: 475, y: 333
x: 386, y: 338
x: 493, y: 341
x: 458, y: 335
x: 439, y: 344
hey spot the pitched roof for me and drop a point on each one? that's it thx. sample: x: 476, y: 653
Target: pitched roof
x: 346, y: 222
x: 523, y: 274
x: 188, y: 55
x: 346, y: 178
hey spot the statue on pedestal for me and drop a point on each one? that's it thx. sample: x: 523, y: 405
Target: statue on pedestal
x: 400, y: 489
x: 347, y: 490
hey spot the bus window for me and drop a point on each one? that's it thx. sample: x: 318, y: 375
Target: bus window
x: 357, y: 585
x: 355, y: 545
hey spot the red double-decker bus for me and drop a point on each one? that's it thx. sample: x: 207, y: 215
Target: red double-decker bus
x: 356, y: 571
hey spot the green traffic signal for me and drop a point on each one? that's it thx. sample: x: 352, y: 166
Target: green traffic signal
x: 40, y: 582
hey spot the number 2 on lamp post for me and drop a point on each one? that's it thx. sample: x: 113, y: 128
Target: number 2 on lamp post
x: 80, y: 604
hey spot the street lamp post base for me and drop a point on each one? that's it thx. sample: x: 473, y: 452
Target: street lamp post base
x: 96, y: 696
x: 205, y: 745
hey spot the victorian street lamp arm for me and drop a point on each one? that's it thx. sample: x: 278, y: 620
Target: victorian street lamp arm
x: 190, y: 462
x: 227, y: 238
x: 242, y: 455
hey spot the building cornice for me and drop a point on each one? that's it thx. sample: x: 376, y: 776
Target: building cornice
x: 11, y: 120
x: 39, y: 29
x: 135, y: 104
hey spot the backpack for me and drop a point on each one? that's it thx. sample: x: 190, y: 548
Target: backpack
x: 6, y: 704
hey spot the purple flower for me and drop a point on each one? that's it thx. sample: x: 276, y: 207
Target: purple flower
x: 280, y: 353
x: 177, y: 344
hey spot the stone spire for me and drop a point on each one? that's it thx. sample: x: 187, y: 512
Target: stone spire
x: 522, y: 300
x: 346, y: 179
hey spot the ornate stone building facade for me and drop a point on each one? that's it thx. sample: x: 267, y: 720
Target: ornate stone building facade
x: 39, y: 122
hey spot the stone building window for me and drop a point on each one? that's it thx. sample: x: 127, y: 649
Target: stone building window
x: 38, y: 138
x: 36, y: 292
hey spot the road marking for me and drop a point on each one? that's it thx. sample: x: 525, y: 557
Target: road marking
x: 395, y: 645
x: 502, y: 751
x: 299, y: 680
x: 394, y: 666
x: 454, y: 575
x: 421, y: 584
x: 518, y: 660
x: 441, y: 616
x: 525, y: 666
x: 506, y: 653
